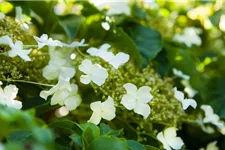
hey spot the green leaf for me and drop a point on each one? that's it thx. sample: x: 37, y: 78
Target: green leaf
x: 106, y: 130
x: 91, y: 132
x: 77, y: 139
x: 70, y: 24
x: 19, y: 136
x: 88, y: 9
x: 46, y: 13
x: 134, y: 145
x: 67, y: 124
x: 108, y: 143
x: 215, y: 18
x: 148, y: 147
x: 148, y: 41
x: 43, y: 135
x: 215, y: 95
x: 13, y: 119
x: 185, y: 61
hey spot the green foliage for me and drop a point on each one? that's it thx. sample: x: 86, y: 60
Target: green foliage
x: 147, y: 35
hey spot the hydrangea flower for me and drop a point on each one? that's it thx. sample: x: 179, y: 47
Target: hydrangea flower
x: 94, y: 72
x: 75, y: 44
x: 2, y: 16
x: 114, y: 7
x: 7, y: 96
x: 105, y: 110
x: 169, y: 139
x: 211, y: 117
x: 20, y: 17
x: 137, y: 99
x: 185, y: 102
x: 180, y: 74
x: 115, y: 60
x: 16, y: 49
x: 45, y: 41
x: 189, y: 37
x: 63, y: 93
x: 58, y: 66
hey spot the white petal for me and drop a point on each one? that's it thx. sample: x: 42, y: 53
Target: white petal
x: 93, y: 51
x: 52, y: 42
x: 142, y: 109
x: 119, y: 59
x: 108, y: 109
x: 74, y: 88
x: 105, y: 55
x: 161, y: 138
x: 105, y: 47
x: 51, y: 72
x: 130, y: 88
x: 178, y: 95
x: 172, y: 139
x: 99, y: 75
x: 24, y: 54
x: 72, y: 102
x: 189, y: 102
x: 86, y: 66
x: 143, y: 94
x: 10, y: 92
x: 2, y: 94
x: 85, y: 79
x: 176, y: 143
x: 6, y: 40
x: 207, y: 109
x: 62, y: 83
x: 60, y: 96
x: 14, y: 104
x: 96, y: 106
x: 128, y: 101
x: 76, y: 44
x: 95, y: 117
x: 67, y: 72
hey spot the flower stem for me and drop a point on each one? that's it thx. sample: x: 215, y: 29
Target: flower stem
x: 78, y: 50
x: 29, y: 82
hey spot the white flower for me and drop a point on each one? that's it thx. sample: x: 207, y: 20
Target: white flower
x: 94, y: 73
x: 96, y: 51
x: 105, y: 110
x: 20, y: 17
x: 58, y: 66
x: 2, y: 16
x: 211, y: 146
x: 137, y: 99
x: 115, y: 60
x: 211, y: 117
x: 189, y: 37
x: 114, y: 7
x: 185, y: 102
x: 169, y: 139
x: 16, y: 49
x: 8, y: 95
x: 180, y: 74
x: 75, y: 44
x: 44, y: 40
x: 63, y: 93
